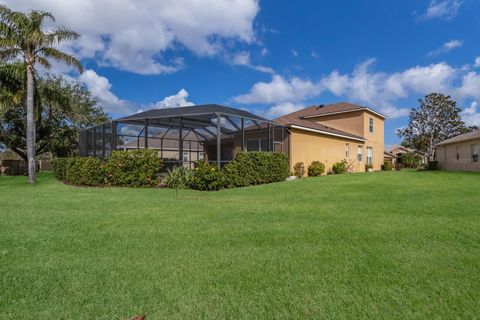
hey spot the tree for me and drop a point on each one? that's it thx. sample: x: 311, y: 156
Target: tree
x: 437, y: 118
x: 62, y: 109
x: 23, y: 38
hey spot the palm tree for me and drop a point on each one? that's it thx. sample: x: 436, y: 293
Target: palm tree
x: 22, y: 37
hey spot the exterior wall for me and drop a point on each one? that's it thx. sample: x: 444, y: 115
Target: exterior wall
x: 447, y: 156
x: 352, y: 122
x: 375, y: 139
x: 309, y: 146
x: 358, y: 123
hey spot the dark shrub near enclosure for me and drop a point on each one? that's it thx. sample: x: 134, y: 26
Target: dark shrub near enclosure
x: 387, y: 166
x: 432, y: 165
x: 339, y: 167
x: 315, y: 169
x: 206, y: 177
x: 60, y: 168
x: 410, y: 160
x: 136, y: 168
x: 133, y: 168
x: 85, y: 171
x: 252, y: 168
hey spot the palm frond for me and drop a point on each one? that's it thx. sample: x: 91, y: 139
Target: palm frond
x: 44, y: 62
x: 61, y: 35
x: 61, y: 57
x: 8, y: 54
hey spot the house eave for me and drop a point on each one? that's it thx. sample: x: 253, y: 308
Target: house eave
x: 327, y: 133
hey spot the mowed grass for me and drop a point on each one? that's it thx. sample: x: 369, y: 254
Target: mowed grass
x: 381, y: 245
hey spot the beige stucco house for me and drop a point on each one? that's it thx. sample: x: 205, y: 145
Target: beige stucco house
x: 398, y: 150
x: 459, y: 153
x: 335, y: 132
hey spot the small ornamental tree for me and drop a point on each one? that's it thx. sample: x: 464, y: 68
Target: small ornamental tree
x: 436, y: 119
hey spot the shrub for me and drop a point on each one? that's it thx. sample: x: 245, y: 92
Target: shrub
x: 315, y: 169
x: 252, y: 168
x: 177, y: 178
x: 133, y: 168
x: 410, y: 160
x: 299, y: 169
x: 84, y: 171
x: 432, y: 165
x: 60, y: 168
x: 339, y: 167
x: 206, y: 177
x: 387, y: 166
x: 368, y: 166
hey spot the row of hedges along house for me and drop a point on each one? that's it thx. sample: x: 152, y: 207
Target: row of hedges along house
x: 327, y: 133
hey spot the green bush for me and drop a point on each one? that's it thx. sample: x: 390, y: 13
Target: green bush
x: 177, y: 178
x: 387, y: 166
x: 133, y: 168
x: 252, y: 168
x: 339, y: 167
x: 315, y: 169
x: 410, y: 160
x: 368, y: 166
x: 60, y: 168
x: 84, y: 171
x: 432, y: 165
x: 299, y: 169
x: 206, y: 177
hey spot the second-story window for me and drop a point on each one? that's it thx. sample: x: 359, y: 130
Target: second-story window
x: 370, y: 125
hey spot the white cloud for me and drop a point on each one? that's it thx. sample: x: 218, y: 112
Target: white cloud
x: 283, y: 108
x: 447, y: 47
x: 135, y: 35
x: 264, y: 52
x: 243, y: 59
x: 280, y: 90
x: 471, y: 116
x: 442, y: 9
x: 294, y: 53
x: 177, y: 100
x: 314, y: 54
x: 477, y: 62
x: 378, y: 90
x: 100, y: 88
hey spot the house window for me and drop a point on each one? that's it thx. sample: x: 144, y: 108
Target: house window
x: 370, y: 125
x: 474, y: 148
x: 200, y: 156
x: 347, y: 151
x: 257, y: 145
x: 360, y: 154
x: 369, y: 155
x: 457, y: 152
x: 185, y: 156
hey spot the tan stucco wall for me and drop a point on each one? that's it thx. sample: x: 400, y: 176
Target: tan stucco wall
x: 351, y: 122
x: 375, y: 139
x: 309, y: 146
x: 447, y: 156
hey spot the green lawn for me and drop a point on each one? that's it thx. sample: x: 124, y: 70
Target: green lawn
x: 382, y: 245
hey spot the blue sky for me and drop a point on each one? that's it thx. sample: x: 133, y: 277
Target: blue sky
x: 273, y: 57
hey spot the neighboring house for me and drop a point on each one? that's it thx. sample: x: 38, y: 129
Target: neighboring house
x: 398, y: 150
x: 460, y: 152
x: 387, y: 156
x: 335, y: 132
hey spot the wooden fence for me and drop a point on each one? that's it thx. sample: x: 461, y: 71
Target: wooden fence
x: 19, y: 167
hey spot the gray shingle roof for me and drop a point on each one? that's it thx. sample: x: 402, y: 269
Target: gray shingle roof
x: 475, y: 134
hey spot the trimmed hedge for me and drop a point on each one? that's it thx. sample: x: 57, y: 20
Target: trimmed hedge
x: 387, y: 166
x: 339, y: 167
x: 136, y: 168
x: 252, y: 168
x: 60, y: 168
x: 133, y: 168
x: 206, y: 177
x: 316, y: 169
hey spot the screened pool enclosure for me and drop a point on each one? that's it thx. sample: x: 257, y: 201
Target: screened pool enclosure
x: 184, y: 135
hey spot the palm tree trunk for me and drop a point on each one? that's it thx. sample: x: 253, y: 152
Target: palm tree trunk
x: 30, y: 127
